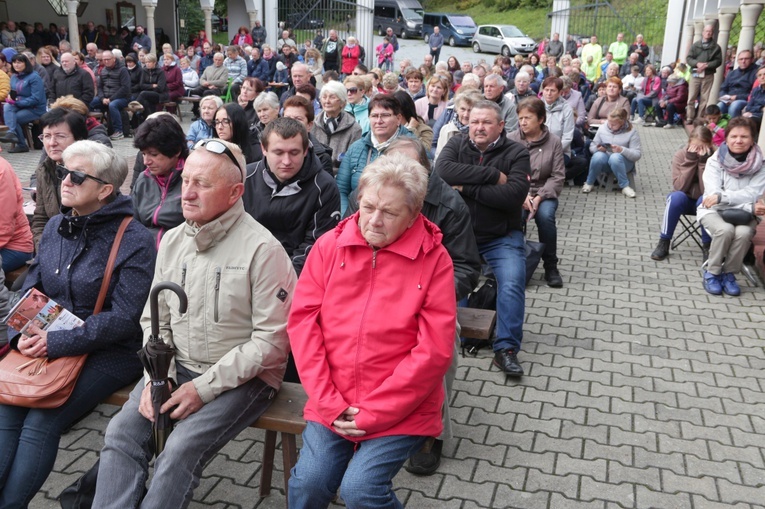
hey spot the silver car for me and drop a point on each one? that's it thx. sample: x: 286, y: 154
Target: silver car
x: 504, y: 39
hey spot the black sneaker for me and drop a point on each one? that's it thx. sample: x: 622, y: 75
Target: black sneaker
x: 507, y: 361
x: 426, y: 463
x: 552, y: 276
x: 661, y: 251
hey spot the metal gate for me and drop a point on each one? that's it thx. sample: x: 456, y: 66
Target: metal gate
x: 605, y: 20
x: 306, y: 18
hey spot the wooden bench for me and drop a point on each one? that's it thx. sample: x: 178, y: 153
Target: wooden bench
x: 170, y: 107
x: 285, y: 415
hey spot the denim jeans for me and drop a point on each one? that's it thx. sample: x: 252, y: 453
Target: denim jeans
x: 12, y: 259
x: 364, y: 476
x: 678, y: 203
x: 603, y: 162
x: 29, y: 437
x: 16, y: 118
x: 507, y: 258
x: 733, y: 109
x: 115, y: 110
x: 640, y: 104
x: 125, y: 458
x: 548, y: 230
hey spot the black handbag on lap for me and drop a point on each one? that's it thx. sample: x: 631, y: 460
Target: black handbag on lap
x: 737, y: 217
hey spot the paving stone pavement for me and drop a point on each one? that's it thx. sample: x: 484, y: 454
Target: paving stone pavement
x: 641, y: 390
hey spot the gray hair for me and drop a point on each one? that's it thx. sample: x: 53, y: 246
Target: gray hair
x: 489, y: 105
x: 400, y: 171
x: 117, y: 54
x: 523, y: 75
x: 214, y: 98
x: 407, y: 143
x: 227, y: 168
x: 107, y: 164
x: 150, y: 57
x: 471, y: 80
x: 267, y: 99
x: 337, y: 89
x: 496, y: 78
x: 469, y: 96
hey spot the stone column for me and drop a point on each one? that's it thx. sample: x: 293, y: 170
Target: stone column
x: 698, y: 28
x: 365, y: 29
x: 726, y: 20
x: 150, y: 27
x: 749, y: 14
x: 208, y: 23
x: 271, y: 22
x: 253, y: 17
x: 74, y: 29
x: 688, y: 37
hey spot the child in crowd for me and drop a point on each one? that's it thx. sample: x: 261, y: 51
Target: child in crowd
x: 716, y: 123
x: 687, y: 165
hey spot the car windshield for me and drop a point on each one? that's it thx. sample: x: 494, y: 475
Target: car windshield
x: 462, y: 21
x: 412, y: 14
x: 512, y: 32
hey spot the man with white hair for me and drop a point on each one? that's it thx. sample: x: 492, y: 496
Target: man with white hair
x: 113, y: 92
x: 285, y: 39
x: 522, y: 87
x: 70, y: 79
x: 90, y: 55
x: 300, y: 76
x: 494, y: 91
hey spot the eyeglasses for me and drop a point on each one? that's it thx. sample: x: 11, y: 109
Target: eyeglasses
x: 223, y: 121
x: 352, y: 90
x: 381, y: 116
x: 77, y: 177
x: 59, y: 137
x: 217, y: 147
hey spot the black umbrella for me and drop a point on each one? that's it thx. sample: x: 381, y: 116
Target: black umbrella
x: 156, y: 357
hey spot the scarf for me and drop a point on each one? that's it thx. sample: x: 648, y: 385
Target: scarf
x: 463, y: 129
x: 751, y: 165
x: 380, y: 147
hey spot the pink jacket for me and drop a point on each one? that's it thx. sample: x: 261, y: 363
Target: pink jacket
x: 15, y: 232
x: 375, y: 329
x: 421, y: 107
x: 384, y: 53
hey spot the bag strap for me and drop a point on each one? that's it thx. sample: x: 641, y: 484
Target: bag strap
x: 110, y: 264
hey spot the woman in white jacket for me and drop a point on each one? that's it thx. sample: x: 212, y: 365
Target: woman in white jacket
x: 189, y: 75
x: 615, y: 148
x: 734, y: 181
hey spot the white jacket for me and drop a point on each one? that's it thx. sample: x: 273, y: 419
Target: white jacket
x: 740, y: 193
x: 239, y: 282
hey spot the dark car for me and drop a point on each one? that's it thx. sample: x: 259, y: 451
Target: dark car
x: 304, y: 21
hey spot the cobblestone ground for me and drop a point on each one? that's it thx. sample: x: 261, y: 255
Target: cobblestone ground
x: 641, y: 390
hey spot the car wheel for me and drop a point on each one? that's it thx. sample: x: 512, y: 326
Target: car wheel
x: 403, y: 34
x: 427, y: 38
x: 505, y: 51
x: 452, y: 42
x: 476, y: 48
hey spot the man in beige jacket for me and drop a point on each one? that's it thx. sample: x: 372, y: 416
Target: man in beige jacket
x: 231, y: 344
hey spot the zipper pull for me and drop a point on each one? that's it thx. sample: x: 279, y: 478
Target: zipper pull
x: 183, y: 276
x: 374, y: 258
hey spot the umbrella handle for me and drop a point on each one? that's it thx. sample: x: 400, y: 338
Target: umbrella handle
x: 154, y: 302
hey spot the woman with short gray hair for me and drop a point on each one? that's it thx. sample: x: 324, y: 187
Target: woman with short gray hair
x: 70, y: 263
x: 334, y: 127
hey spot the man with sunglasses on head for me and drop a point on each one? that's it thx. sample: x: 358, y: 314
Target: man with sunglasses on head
x: 288, y: 191
x: 231, y: 344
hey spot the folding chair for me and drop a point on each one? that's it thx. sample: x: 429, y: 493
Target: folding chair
x: 691, y: 230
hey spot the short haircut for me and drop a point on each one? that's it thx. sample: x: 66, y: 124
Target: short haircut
x: 496, y: 78
x: 619, y: 114
x: 330, y: 76
x: 150, y: 57
x: 234, y: 174
x: 268, y: 99
x: 408, y: 109
x: 73, y: 119
x: 163, y: 133
x: 553, y: 82
x: 467, y: 96
x: 413, y: 74
x: 399, y: 171
x: 471, y: 80
x: 409, y: 142
x: 490, y: 105
x: 535, y: 106
x: 285, y: 128
x: 358, y: 81
x: 255, y: 83
x: 746, y: 123
x: 211, y: 98
x: 712, y: 109
x: 616, y: 80
x: 386, y: 102
x: 337, y: 89
x: 363, y: 68
x: 307, y: 89
x: 390, y: 81
x: 69, y: 102
x: 297, y: 101
x: 522, y: 75
x: 107, y: 164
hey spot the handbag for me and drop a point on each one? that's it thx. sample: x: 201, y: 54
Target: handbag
x: 48, y: 383
x: 737, y: 217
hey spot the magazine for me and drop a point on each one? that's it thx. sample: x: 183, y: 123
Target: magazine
x: 36, y: 308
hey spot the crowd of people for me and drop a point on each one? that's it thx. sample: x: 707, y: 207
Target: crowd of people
x: 303, y: 169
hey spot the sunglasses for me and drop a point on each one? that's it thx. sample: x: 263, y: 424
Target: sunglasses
x: 352, y: 90
x: 77, y: 177
x: 216, y: 147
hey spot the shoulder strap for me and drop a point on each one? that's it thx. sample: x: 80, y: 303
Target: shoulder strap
x: 110, y: 264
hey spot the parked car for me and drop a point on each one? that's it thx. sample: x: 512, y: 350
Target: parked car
x: 403, y: 16
x: 304, y: 21
x: 505, y: 39
x: 457, y: 29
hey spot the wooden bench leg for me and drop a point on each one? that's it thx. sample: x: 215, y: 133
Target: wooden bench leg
x: 289, y: 455
x: 268, y: 463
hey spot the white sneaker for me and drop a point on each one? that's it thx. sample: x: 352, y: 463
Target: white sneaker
x: 638, y: 120
x: 628, y: 192
x: 669, y: 126
x: 586, y: 188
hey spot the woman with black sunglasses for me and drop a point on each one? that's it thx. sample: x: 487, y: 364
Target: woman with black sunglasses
x: 69, y: 268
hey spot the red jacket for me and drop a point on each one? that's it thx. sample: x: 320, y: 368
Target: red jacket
x: 247, y: 40
x: 351, y: 57
x: 375, y: 330
x: 15, y: 233
x: 678, y: 94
